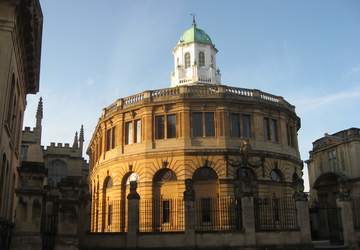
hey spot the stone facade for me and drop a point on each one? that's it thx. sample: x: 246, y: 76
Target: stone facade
x: 334, y: 178
x: 51, y: 195
x: 197, y: 158
x: 20, y: 49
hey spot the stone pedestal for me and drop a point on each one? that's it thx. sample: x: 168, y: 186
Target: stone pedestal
x: 347, y: 219
x: 248, y: 219
x: 303, y: 217
x: 133, y: 216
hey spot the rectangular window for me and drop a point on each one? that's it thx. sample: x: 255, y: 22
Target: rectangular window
x: 166, y: 211
x: 171, y: 126
x: 159, y: 127
x: 205, y: 210
x: 113, y: 138
x: 235, y: 125
x: 209, y: 124
x: 270, y: 129
x: 108, y: 137
x: 290, y: 136
x: 267, y: 129
x: 197, y: 124
x: 137, y: 131
x: 246, y: 125
x: 273, y: 127
x: 128, y: 133
x: 109, y: 215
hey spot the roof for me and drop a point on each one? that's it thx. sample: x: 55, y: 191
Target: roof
x: 194, y: 34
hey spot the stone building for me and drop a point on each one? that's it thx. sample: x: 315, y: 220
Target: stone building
x: 51, y: 192
x: 219, y: 165
x: 20, y: 50
x: 334, y: 178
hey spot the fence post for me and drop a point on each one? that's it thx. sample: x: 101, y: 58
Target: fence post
x: 189, y: 204
x: 248, y: 219
x: 133, y: 216
x: 303, y: 216
x: 343, y: 201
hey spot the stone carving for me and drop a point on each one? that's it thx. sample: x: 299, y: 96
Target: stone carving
x: 133, y: 193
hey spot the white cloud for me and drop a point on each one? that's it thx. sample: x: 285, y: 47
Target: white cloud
x: 316, y: 102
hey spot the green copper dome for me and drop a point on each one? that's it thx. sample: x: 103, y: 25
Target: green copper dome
x: 196, y: 35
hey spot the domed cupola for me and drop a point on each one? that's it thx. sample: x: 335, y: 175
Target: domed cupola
x: 195, y: 59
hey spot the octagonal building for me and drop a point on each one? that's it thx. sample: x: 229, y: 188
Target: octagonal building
x: 224, y: 142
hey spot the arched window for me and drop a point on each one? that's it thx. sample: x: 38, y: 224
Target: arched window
x: 276, y: 175
x: 108, y: 183
x: 57, y: 171
x: 164, y: 175
x: 204, y: 174
x: 187, y: 60
x: 201, y: 58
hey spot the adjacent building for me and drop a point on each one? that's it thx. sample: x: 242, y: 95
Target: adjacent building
x: 334, y: 178
x: 20, y: 51
x: 51, y: 194
x: 197, y: 158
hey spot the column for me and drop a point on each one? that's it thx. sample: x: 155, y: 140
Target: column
x: 189, y: 217
x: 343, y: 202
x: 133, y: 216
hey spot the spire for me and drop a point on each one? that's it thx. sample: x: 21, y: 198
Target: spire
x: 39, y: 113
x: 75, y: 144
x: 81, y: 138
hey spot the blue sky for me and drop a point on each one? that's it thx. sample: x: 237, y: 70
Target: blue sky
x: 94, y: 52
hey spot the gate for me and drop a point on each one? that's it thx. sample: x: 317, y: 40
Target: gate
x: 49, y: 229
x: 326, y: 224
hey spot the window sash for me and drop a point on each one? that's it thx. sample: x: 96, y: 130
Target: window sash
x: 235, y: 125
x: 166, y: 211
x: 170, y: 126
x: 246, y: 126
x: 113, y: 138
x: 137, y: 131
x: 187, y: 60
x: 209, y: 124
x: 159, y: 127
x: 128, y: 133
x: 197, y: 124
x: 108, y: 138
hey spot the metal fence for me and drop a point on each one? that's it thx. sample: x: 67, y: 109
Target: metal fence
x: 161, y: 215
x: 48, y: 231
x: 356, y: 212
x: 218, y: 214
x: 273, y: 214
x: 109, y: 216
x: 5, y: 234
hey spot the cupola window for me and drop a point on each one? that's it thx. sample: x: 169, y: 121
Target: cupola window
x: 201, y: 59
x: 187, y: 60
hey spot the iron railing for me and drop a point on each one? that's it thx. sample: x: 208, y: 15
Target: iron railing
x: 218, y: 214
x: 161, y: 215
x: 275, y: 214
x: 109, y: 216
x: 5, y: 233
x: 356, y: 212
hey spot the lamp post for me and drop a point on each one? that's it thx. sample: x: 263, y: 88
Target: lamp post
x: 245, y: 181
